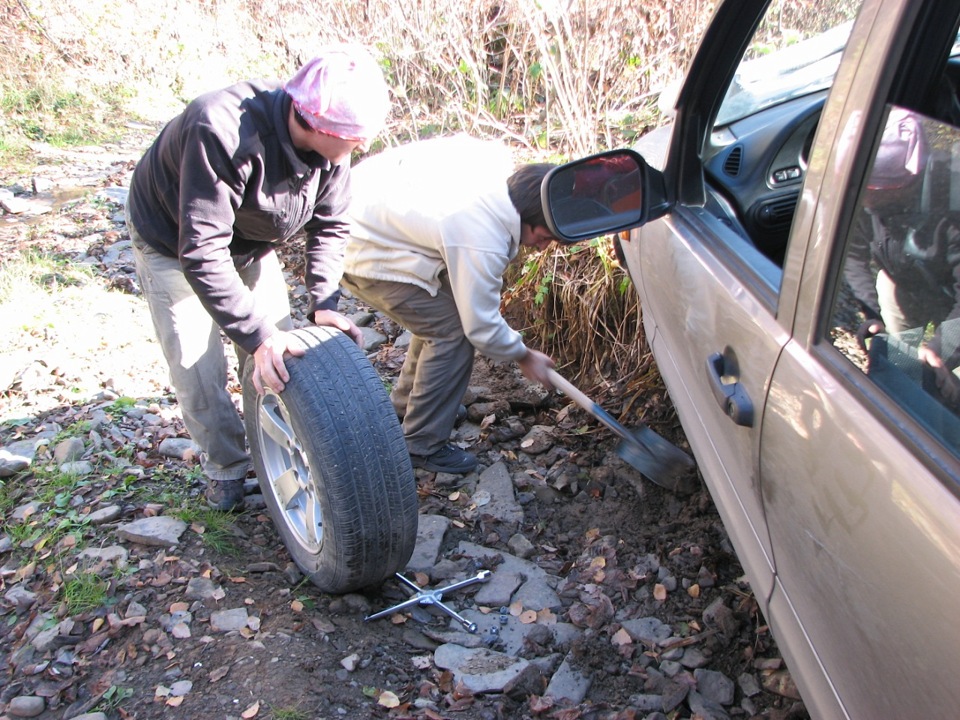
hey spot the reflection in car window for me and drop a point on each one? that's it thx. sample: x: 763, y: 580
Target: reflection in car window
x: 898, y: 315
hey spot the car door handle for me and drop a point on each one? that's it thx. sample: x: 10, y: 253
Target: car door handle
x: 730, y: 396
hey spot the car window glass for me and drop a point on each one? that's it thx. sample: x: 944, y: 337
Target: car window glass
x: 787, y: 62
x: 756, y: 156
x: 897, y: 315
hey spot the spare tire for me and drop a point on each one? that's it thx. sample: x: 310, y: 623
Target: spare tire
x: 333, y: 465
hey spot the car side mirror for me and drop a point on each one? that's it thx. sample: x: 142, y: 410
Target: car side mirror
x: 602, y: 194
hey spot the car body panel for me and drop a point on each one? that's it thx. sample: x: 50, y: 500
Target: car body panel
x: 860, y: 526
x: 714, y: 309
x: 861, y: 533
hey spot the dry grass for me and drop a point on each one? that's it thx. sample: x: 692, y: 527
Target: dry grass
x: 554, y: 78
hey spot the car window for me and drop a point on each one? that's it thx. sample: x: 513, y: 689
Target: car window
x: 780, y: 65
x: 757, y: 155
x: 897, y: 315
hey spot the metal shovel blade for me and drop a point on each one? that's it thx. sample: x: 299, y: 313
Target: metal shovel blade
x: 658, y: 459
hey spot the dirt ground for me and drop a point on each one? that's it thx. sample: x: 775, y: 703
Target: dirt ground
x: 612, y: 540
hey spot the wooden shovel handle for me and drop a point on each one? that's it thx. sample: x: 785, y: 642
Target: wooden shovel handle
x: 568, y: 389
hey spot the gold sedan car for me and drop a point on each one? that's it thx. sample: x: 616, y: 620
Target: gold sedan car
x: 794, y: 235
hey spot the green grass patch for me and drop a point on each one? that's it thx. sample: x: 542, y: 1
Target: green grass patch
x: 217, y: 527
x: 46, y: 112
x: 114, y: 697
x: 83, y: 593
x: 36, y: 272
x: 55, y: 488
x: 288, y: 714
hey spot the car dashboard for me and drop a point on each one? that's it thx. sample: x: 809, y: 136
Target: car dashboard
x: 755, y: 167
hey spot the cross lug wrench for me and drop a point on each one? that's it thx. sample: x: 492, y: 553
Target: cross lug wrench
x: 425, y: 598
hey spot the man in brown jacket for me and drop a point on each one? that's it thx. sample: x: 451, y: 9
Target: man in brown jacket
x: 238, y: 171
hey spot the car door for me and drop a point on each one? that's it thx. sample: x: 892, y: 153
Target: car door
x: 716, y: 311
x: 858, y: 454
x: 719, y: 289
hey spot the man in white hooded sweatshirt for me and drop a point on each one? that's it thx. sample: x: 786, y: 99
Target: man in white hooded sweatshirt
x: 434, y: 225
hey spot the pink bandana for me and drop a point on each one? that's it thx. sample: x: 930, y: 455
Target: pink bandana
x: 341, y: 92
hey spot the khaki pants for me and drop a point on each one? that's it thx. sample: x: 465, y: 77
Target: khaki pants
x: 193, y: 348
x: 436, y: 372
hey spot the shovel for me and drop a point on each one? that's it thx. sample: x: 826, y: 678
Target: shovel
x: 658, y: 459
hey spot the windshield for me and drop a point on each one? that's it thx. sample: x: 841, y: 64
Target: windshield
x: 798, y: 69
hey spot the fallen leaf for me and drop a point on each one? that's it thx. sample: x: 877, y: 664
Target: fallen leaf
x: 422, y: 662
x: 528, y: 616
x: 621, y: 637
x: 175, y: 701
x: 251, y: 711
x: 24, y: 572
x: 693, y: 591
x: 546, y: 617
x: 398, y: 619
x: 516, y: 607
x: 388, y: 699
x: 180, y: 631
x: 780, y: 683
x: 162, y: 580
x: 323, y: 625
x: 219, y: 673
x: 198, y: 528
x: 296, y: 606
x: 238, y: 580
x: 539, y: 705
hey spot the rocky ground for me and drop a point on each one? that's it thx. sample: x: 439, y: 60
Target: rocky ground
x: 608, y: 597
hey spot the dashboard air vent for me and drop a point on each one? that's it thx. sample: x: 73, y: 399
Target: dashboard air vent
x: 777, y: 214
x: 731, y: 166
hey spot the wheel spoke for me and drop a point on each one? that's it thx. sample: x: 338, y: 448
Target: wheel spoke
x: 313, y: 521
x: 275, y: 426
x: 287, y: 487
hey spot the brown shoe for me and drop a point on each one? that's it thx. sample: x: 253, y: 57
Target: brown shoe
x: 225, y: 495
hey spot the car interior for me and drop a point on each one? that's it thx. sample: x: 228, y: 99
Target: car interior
x: 755, y: 165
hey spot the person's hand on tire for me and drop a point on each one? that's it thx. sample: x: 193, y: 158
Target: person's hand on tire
x: 269, y: 369
x: 867, y: 330
x: 331, y: 318
x: 534, y: 366
x: 947, y: 383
